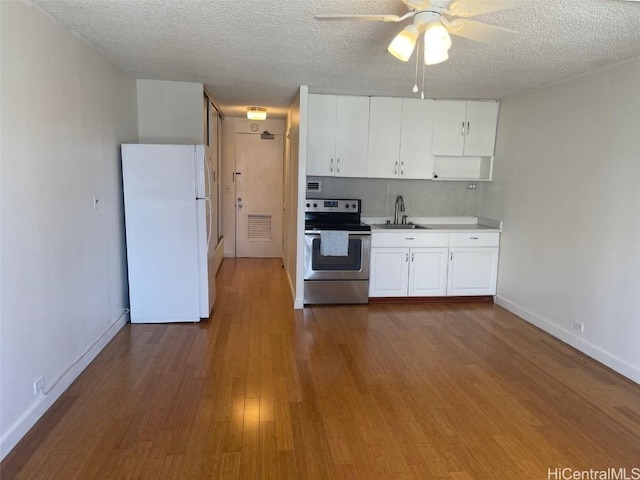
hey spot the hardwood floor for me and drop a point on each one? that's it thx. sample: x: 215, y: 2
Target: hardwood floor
x: 260, y: 391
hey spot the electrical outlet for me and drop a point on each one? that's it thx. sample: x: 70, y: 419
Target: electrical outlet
x: 579, y: 326
x: 38, y: 385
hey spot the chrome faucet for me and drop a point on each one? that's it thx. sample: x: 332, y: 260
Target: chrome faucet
x: 399, y: 208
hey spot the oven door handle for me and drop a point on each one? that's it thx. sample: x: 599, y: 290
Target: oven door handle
x: 316, y: 233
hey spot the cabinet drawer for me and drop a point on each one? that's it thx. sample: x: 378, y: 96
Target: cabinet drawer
x: 409, y: 239
x: 484, y: 239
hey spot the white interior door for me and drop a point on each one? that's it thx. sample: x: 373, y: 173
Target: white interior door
x: 259, y: 170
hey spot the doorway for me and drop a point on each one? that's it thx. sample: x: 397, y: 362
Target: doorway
x: 259, y: 186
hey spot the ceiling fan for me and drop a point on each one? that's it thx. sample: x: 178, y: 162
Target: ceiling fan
x: 436, y: 19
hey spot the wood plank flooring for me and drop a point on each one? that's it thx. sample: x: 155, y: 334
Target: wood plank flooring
x: 260, y: 391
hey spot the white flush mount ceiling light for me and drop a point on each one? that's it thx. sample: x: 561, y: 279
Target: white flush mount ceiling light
x: 257, y: 113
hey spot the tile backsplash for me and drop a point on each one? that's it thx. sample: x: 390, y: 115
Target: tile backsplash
x: 422, y: 198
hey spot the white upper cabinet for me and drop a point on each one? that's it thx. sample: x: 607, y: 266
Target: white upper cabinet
x: 400, y: 131
x: 416, y: 160
x: 387, y: 137
x: 449, y: 121
x: 338, y: 128
x: 385, y: 119
x: 321, y: 137
x: 480, y: 134
x: 352, y: 133
x: 464, y: 128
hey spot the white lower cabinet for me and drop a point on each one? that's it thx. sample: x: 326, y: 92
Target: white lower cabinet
x: 441, y: 264
x: 473, y: 263
x: 472, y: 271
x: 408, y: 264
x: 389, y: 275
x: 428, y: 272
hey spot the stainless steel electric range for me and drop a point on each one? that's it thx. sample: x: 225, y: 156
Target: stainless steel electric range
x: 342, y: 274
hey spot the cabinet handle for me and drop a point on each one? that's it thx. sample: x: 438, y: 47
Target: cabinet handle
x: 462, y: 132
x: 409, y: 238
x: 473, y: 238
x: 412, y: 256
x: 468, y: 127
x: 395, y: 169
x: 451, y: 257
x: 402, y: 168
x: 407, y: 258
x: 338, y: 170
x: 331, y: 166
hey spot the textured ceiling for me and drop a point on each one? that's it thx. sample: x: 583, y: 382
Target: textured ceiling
x: 257, y: 52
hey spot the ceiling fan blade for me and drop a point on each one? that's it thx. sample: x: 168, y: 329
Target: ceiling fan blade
x: 480, y: 32
x: 472, y: 8
x: 371, y: 18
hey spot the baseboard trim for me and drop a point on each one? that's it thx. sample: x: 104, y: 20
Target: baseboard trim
x: 20, y: 428
x: 297, y: 302
x: 422, y: 300
x: 606, y: 358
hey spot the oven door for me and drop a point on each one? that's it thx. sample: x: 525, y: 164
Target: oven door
x: 355, y: 266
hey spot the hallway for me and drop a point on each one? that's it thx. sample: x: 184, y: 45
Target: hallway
x: 260, y: 391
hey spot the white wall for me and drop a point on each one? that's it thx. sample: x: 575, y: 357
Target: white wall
x: 290, y: 178
x: 297, y: 128
x: 170, y: 112
x: 65, y: 111
x: 566, y: 179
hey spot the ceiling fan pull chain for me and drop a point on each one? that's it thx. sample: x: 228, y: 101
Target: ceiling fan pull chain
x: 423, y: 69
x: 415, y: 84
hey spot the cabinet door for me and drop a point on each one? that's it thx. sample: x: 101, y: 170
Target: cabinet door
x: 352, y: 136
x: 389, y: 274
x: 321, y: 136
x: 416, y: 160
x: 472, y: 271
x: 482, y: 120
x: 385, y: 118
x: 449, y: 125
x: 428, y: 272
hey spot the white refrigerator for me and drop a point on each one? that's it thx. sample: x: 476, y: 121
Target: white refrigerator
x: 168, y: 221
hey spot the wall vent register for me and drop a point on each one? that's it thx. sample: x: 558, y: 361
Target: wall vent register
x: 259, y: 227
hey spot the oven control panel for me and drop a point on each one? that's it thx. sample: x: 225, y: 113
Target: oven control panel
x: 332, y: 205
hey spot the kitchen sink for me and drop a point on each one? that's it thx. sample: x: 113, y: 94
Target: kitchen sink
x: 409, y: 226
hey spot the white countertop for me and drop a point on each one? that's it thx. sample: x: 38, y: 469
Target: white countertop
x: 439, y: 224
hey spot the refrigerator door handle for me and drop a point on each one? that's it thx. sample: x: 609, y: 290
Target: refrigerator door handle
x: 208, y: 200
x: 207, y: 186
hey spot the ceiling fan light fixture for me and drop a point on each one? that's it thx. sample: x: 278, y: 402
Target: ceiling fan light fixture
x: 437, y: 43
x: 437, y: 37
x: 435, y: 56
x: 257, y: 113
x: 404, y: 43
